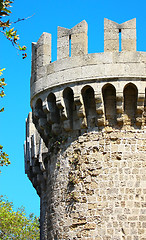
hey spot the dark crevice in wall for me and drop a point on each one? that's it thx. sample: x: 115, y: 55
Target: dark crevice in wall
x: 89, y: 105
x: 130, y: 101
x: 109, y: 98
x: 54, y: 116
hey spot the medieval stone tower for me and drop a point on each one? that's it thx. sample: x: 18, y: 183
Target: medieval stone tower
x: 85, y: 150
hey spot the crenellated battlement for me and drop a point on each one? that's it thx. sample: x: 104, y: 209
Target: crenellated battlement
x: 112, y: 39
x: 83, y: 91
x: 74, y: 42
x: 75, y: 64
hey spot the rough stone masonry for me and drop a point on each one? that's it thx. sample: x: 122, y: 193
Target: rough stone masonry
x: 85, y: 148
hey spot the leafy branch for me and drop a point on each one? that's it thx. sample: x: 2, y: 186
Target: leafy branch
x: 4, y: 160
x: 15, y: 224
x: 9, y: 32
x: 2, y: 84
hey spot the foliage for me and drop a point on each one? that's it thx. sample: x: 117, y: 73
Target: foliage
x: 6, y: 26
x: 2, y: 85
x: 4, y: 160
x: 11, y: 34
x: 15, y: 224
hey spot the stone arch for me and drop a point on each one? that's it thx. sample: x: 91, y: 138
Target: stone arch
x: 89, y: 105
x: 53, y: 115
x: 109, y: 98
x: 68, y: 97
x: 130, y: 93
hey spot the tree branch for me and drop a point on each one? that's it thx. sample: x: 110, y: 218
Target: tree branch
x: 21, y: 19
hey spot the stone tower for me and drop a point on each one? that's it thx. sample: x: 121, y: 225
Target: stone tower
x: 85, y: 149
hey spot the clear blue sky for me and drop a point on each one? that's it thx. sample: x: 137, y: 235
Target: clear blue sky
x: 47, y: 16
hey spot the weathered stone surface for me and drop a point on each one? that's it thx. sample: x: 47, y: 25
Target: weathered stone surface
x: 85, y: 146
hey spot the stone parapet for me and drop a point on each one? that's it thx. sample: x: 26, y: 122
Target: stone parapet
x: 96, y: 66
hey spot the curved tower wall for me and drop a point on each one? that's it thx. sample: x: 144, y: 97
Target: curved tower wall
x: 85, y: 138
